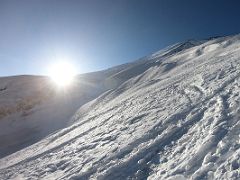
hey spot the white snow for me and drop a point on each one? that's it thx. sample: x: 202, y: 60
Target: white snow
x: 170, y: 115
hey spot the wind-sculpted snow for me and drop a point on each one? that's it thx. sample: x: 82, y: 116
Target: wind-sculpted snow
x: 177, y: 117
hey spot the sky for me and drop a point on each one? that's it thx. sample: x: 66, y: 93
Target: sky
x: 97, y: 34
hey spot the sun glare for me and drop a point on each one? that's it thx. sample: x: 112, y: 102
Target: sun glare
x: 62, y: 73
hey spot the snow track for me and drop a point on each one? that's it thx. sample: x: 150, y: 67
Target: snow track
x: 177, y: 117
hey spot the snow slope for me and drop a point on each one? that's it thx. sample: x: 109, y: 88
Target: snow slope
x: 171, y: 115
x: 31, y: 107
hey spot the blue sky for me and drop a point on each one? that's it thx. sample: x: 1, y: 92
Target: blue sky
x: 97, y: 34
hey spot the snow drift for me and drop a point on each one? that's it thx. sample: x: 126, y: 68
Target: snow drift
x: 171, y: 115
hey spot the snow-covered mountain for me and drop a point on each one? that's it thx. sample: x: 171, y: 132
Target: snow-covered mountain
x: 170, y: 115
x: 31, y: 107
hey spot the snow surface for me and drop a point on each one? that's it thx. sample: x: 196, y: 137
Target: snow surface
x: 31, y: 107
x: 171, y: 115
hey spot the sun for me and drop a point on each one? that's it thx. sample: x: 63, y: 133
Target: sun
x: 62, y: 73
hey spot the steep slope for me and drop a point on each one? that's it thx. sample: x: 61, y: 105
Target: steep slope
x: 173, y: 116
x: 31, y: 107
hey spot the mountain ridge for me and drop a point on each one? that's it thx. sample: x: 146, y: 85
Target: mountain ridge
x: 170, y: 115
